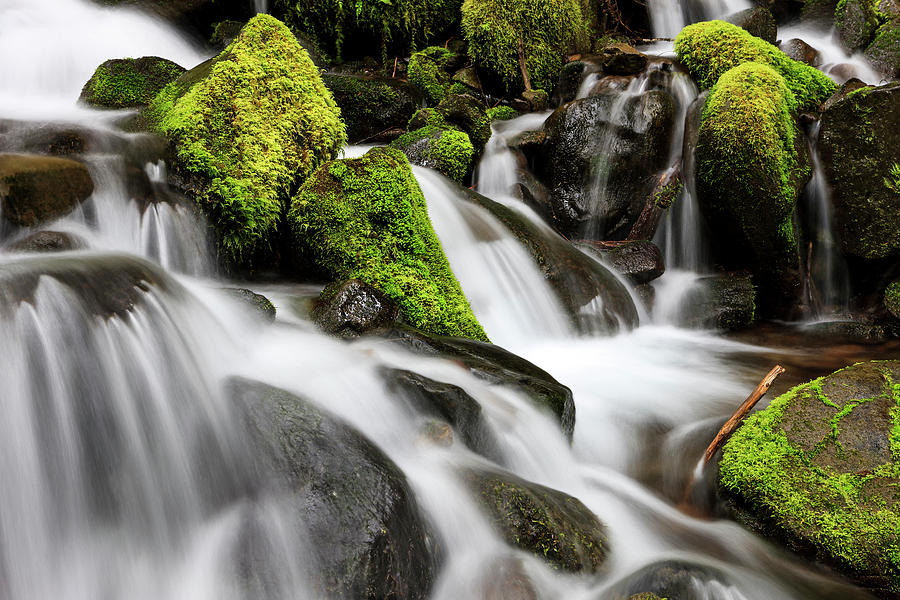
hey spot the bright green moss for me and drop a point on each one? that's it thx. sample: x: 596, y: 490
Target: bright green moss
x: 427, y: 71
x: 545, y: 31
x: 849, y: 517
x: 129, y: 82
x: 343, y: 28
x: 711, y: 48
x: 447, y: 150
x: 366, y: 219
x: 247, y: 126
x: 424, y: 117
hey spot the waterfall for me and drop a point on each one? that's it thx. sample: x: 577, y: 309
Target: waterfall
x: 261, y: 6
x: 668, y: 17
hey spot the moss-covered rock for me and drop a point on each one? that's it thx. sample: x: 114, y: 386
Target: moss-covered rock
x: 548, y: 523
x: 350, y: 28
x: 245, y: 128
x: 224, y: 33
x: 428, y: 70
x: 856, y: 22
x: 892, y: 299
x: 497, y: 30
x: 820, y: 469
x: 711, y: 48
x: 858, y: 146
x: 36, y: 189
x: 751, y: 167
x: 372, y: 106
x: 445, y: 149
x: 129, y: 82
x: 884, y: 51
x: 366, y: 219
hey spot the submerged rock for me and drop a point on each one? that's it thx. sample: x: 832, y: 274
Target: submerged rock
x: 262, y: 305
x: 507, y: 579
x: 726, y: 302
x: 370, y: 106
x: 369, y: 537
x: 36, y: 189
x: 548, y: 523
x: 366, y: 219
x: 352, y: 308
x: 48, y: 241
x: 667, y: 579
x: 818, y: 470
x: 129, y: 82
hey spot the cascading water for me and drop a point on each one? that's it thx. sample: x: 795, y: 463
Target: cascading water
x: 670, y: 16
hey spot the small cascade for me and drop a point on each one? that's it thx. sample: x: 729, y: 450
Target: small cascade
x: 498, y: 170
x: 261, y: 6
x: 668, y: 17
x: 827, y: 285
x: 831, y: 58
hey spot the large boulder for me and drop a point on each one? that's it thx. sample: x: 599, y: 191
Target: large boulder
x: 856, y: 22
x: 36, y: 189
x: 669, y: 579
x: 366, y: 219
x: 548, y: 523
x: 372, y: 106
x: 350, y: 500
x: 818, y: 470
x: 246, y: 128
x: 725, y: 301
x: 858, y: 146
x: 711, y: 48
x: 884, y: 51
x: 129, y: 82
x: 752, y: 164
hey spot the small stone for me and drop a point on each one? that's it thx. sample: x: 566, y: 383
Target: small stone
x: 622, y: 59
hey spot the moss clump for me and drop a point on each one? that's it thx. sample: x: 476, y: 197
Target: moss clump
x: 398, y: 26
x: 856, y: 21
x: 427, y: 71
x: 366, y: 219
x: 545, y: 32
x: 711, y: 48
x: 424, y: 117
x: 447, y: 150
x: 884, y: 51
x: 819, y: 468
x: 129, y: 82
x: 892, y: 298
x: 246, y: 127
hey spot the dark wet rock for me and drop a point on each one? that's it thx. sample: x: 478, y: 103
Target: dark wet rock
x: 858, y: 146
x: 855, y: 332
x: 667, y: 190
x: 846, y: 88
x: 856, y: 22
x: 667, y: 579
x: 370, y: 106
x: 584, y: 144
x: 528, y: 142
x: 801, y: 51
x: 815, y: 471
x: 351, y: 308
x: 262, y: 305
x: 468, y: 76
x: 449, y: 403
x: 537, y: 100
x: 129, y: 82
x: 370, y: 539
x: 622, y: 59
x: 48, y: 241
x: 645, y: 597
x: 639, y: 261
x: 507, y: 579
x: 884, y: 51
x: 494, y: 365
x: 758, y: 21
x: 36, y: 189
x: 224, y: 33
x: 726, y: 302
x: 548, y: 523
x: 569, y: 82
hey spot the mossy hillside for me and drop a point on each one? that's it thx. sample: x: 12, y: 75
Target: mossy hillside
x: 129, y: 82
x: 711, y: 48
x: 445, y: 149
x: 820, y: 468
x: 344, y: 28
x: 546, y: 32
x: 427, y: 70
x: 366, y: 219
x: 246, y: 127
x: 750, y: 170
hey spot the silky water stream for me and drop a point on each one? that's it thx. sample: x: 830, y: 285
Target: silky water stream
x: 125, y: 472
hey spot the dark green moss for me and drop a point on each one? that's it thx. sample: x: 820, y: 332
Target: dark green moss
x: 884, y: 51
x: 711, y: 48
x: 546, y: 32
x: 129, y: 82
x: 371, y: 106
x: 247, y: 127
x: 447, y: 150
x: 427, y: 71
x: 366, y: 219
x: 856, y: 21
x: 892, y: 298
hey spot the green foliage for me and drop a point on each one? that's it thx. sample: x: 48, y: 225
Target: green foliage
x: 247, y: 126
x: 398, y: 26
x: 366, y: 219
x: 129, y: 82
x: 892, y: 298
x: 711, y: 48
x: 546, y: 30
x: 427, y: 71
x: 445, y: 149
x: 892, y: 181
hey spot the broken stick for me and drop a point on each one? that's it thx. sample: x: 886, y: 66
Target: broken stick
x: 735, y: 421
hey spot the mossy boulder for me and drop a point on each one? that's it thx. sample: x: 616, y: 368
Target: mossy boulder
x: 711, y: 48
x: 545, y: 32
x: 370, y: 106
x: 444, y: 149
x: 35, y: 189
x: 245, y: 128
x: 348, y: 29
x: 859, y: 150
x: 884, y: 51
x: 752, y: 164
x: 470, y: 115
x: 371, y: 540
x: 129, y: 82
x: 819, y: 469
x: 856, y: 22
x: 548, y: 523
x: 430, y: 71
x: 366, y: 219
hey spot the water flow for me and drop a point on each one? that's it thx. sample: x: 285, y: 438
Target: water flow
x: 831, y: 57
x: 668, y: 17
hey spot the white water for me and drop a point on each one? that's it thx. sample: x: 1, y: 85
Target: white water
x: 833, y: 59
x: 668, y: 17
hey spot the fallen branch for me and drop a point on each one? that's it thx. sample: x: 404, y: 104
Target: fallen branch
x: 735, y: 421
